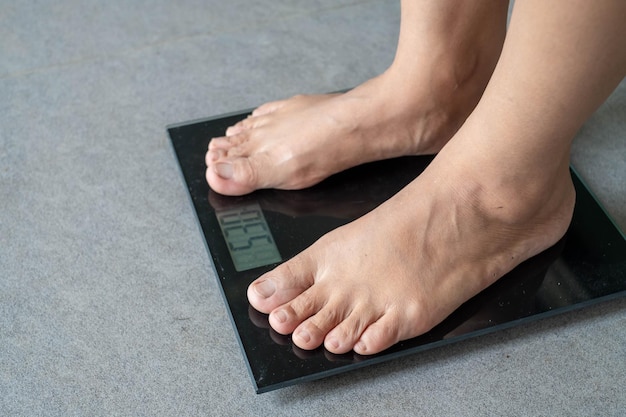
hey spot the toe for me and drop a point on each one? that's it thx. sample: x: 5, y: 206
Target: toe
x: 250, y: 122
x: 213, y: 155
x: 268, y: 108
x: 237, y: 128
x: 229, y: 142
x: 346, y: 334
x: 317, y: 317
x: 281, y: 285
x: 378, y: 336
x: 233, y: 175
x: 309, y: 335
x: 298, y: 317
x: 220, y: 143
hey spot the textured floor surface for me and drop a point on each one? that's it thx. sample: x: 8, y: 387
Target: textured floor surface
x: 107, y: 302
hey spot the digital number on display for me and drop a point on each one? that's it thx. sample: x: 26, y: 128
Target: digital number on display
x: 248, y: 237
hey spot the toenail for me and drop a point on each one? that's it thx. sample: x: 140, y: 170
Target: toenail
x: 332, y: 343
x: 304, y: 336
x: 280, y: 316
x: 213, y: 155
x: 265, y: 288
x: 224, y: 170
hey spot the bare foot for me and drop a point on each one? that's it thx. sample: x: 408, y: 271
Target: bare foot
x: 498, y: 193
x: 414, y: 108
x: 404, y: 267
x: 296, y: 143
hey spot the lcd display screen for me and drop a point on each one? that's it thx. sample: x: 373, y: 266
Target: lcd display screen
x: 248, y: 237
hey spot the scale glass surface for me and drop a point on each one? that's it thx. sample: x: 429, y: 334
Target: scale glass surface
x: 248, y: 236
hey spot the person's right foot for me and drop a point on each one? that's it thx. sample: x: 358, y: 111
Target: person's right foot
x: 401, y: 269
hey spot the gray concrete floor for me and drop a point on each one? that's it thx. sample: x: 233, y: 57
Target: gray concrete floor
x: 107, y: 302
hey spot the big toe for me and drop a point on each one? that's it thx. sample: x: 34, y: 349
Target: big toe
x: 278, y: 287
x: 235, y: 176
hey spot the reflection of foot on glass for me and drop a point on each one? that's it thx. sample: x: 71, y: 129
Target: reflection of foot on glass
x: 260, y: 320
x: 347, y: 195
x: 498, y: 192
x: 511, y: 298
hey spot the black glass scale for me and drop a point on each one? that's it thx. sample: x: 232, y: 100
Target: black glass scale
x: 247, y: 236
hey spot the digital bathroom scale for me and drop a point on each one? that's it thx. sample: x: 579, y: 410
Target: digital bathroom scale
x: 248, y: 236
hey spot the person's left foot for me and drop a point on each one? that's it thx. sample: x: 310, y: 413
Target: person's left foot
x: 296, y: 143
x: 413, y: 108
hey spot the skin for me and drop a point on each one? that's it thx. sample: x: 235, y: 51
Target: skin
x: 440, y: 70
x: 498, y: 192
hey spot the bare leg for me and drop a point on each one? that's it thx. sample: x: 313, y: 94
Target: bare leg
x: 446, y: 53
x: 498, y: 193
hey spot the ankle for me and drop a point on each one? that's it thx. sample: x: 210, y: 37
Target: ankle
x: 518, y: 201
x: 438, y: 97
